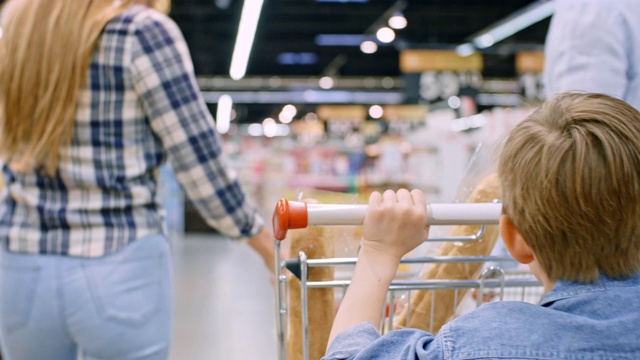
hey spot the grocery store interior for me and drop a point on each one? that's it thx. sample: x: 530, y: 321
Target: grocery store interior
x: 338, y: 97
x: 331, y: 100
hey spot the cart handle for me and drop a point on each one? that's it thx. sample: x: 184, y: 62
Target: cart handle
x: 298, y: 215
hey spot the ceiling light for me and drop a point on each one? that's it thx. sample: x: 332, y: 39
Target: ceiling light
x: 397, y: 21
x: 485, y: 41
x: 376, y: 112
x: 385, y: 35
x: 301, y: 58
x: 339, y: 39
x: 388, y: 82
x: 326, y: 82
x: 465, y: 49
x: 275, y: 81
x: 223, y: 114
x: 287, y: 114
x: 269, y: 127
x: 254, y: 129
x: 512, y: 24
x: 290, y: 109
x: 309, y: 95
x: 284, y: 117
x: 368, y: 47
x: 244, y: 41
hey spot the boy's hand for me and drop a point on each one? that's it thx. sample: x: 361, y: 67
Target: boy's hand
x: 395, y: 223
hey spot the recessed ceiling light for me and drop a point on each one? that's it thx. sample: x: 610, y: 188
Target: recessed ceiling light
x: 376, y: 112
x: 385, y: 35
x: 326, y: 82
x: 397, y: 21
x: 368, y: 47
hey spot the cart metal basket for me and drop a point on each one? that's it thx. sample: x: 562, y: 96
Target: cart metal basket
x: 496, y: 282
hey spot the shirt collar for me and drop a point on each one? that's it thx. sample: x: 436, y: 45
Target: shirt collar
x: 568, y: 289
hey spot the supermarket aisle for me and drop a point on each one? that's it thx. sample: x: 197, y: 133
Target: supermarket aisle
x: 224, y: 303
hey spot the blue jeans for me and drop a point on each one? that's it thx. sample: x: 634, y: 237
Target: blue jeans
x: 115, y: 307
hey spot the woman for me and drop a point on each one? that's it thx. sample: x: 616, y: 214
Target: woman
x: 94, y: 97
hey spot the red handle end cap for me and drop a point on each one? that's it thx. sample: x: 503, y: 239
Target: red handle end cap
x: 288, y: 215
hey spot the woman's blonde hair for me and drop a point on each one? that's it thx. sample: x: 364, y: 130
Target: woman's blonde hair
x: 44, y: 54
x: 571, y: 185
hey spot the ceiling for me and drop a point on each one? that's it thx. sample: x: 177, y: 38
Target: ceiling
x: 288, y: 30
x: 290, y: 26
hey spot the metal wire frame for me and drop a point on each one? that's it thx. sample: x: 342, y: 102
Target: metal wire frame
x: 492, y: 278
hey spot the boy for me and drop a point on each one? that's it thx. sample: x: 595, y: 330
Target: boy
x: 570, y: 178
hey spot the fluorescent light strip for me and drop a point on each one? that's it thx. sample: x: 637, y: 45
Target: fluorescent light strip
x: 308, y: 97
x: 511, y: 25
x: 244, y: 41
x: 340, y: 39
x: 223, y: 114
x: 301, y: 58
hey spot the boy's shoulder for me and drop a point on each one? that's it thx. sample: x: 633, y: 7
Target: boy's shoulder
x: 494, y: 330
x: 556, y: 330
x: 499, y: 313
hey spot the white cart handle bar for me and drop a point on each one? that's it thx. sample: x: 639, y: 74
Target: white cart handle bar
x: 299, y: 215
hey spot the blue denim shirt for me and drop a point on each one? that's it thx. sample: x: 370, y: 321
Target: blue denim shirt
x: 592, y: 45
x: 573, y: 321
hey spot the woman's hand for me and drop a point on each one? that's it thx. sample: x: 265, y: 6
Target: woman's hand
x: 263, y: 244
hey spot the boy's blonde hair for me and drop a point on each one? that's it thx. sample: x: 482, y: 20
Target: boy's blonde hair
x: 571, y: 185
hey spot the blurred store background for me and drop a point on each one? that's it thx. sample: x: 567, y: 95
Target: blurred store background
x: 346, y: 96
x: 356, y: 95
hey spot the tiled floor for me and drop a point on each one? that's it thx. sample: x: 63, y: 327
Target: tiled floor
x: 224, y: 301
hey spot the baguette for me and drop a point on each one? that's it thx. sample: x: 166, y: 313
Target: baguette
x: 444, y: 302
x: 317, y: 243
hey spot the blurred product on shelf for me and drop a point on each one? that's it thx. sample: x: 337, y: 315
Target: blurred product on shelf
x: 430, y: 153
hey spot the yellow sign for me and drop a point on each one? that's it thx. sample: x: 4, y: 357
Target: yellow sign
x: 341, y: 112
x: 529, y: 61
x: 417, y: 60
x: 404, y: 112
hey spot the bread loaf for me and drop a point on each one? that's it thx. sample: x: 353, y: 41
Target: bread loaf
x: 444, y: 302
x: 317, y: 243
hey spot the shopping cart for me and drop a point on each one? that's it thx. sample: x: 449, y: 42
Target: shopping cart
x: 495, y: 283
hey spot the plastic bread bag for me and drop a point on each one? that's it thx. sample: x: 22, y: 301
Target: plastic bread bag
x: 430, y: 309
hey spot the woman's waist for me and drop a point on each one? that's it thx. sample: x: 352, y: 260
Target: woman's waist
x: 81, y: 200
x: 86, y: 241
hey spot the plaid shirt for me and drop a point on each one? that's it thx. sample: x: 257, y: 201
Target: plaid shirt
x: 141, y: 106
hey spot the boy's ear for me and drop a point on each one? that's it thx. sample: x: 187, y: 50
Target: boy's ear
x: 514, y: 242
